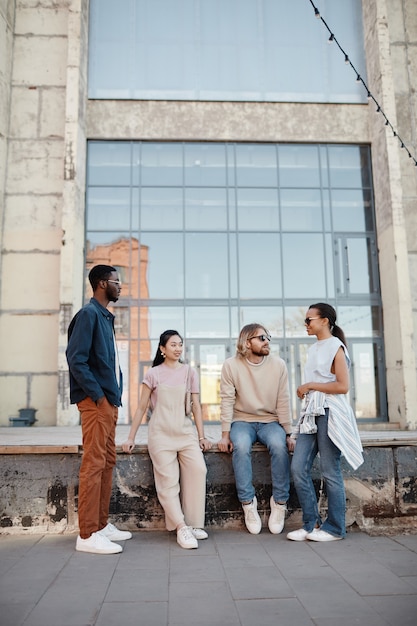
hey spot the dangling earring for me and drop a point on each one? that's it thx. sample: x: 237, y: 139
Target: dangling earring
x: 163, y: 355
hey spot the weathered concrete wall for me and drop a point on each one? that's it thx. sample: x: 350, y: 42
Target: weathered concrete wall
x: 39, y: 492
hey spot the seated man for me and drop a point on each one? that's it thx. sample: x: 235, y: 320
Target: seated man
x: 255, y: 406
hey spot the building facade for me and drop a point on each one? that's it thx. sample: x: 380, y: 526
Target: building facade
x: 225, y: 187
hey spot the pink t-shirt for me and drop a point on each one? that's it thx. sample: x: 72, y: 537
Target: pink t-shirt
x: 172, y: 377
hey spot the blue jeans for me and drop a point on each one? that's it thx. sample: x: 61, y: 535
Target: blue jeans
x: 243, y: 435
x: 305, y: 452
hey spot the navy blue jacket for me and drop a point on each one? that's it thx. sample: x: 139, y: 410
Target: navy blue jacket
x: 90, y: 355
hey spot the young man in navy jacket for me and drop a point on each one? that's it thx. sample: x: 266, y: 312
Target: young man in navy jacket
x: 96, y: 385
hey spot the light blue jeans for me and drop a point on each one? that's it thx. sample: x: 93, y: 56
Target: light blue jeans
x: 243, y: 435
x: 305, y: 452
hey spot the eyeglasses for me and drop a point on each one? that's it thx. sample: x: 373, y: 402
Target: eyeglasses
x: 115, y: 282
x: 310, y: 319
x: 261, y: 337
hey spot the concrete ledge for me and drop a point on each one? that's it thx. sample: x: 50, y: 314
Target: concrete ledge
x: 40, y: 469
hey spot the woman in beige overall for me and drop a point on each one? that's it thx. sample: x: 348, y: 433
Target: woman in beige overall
x: 174, y: 447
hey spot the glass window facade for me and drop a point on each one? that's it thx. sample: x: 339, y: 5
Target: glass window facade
x: 227, y: 50
x: 209, y: 237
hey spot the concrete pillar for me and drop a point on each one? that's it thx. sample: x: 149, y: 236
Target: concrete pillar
x: 73, y: 207
x: 394, y: 257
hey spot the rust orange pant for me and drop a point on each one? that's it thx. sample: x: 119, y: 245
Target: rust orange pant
x: 98, y: 425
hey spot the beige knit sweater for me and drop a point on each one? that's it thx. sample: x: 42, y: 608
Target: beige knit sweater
x: 255, y: 393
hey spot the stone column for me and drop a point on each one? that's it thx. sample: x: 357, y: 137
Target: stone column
x: 73, y: 206
x: 394, y: 259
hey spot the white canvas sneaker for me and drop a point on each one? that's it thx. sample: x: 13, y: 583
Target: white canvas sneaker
x: 186, y: 539
x: 298, y: 535
x: 199, y: 533
x: 114, y: 534
x: 322, y: 535
x: 97, y: 544
x: 277, y: 517
x: 252, y: 519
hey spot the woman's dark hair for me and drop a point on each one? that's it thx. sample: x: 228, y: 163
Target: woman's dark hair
x: 163, y: 339
x: 327, y: 311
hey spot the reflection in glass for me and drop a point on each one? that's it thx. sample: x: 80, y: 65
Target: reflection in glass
x: 360, y: 276
x: 298, y: 166
x: 161, y: 205
x: 303, y: 259
x: 160, y: 318
x: 269, y: 316
x: 163, y: 279
x: 109, y: 163
x: 205, y: 209
x: 206, y: 262
x: 294, y: 320
x: 352, y: 210
x: 161, y: 164
x: 301, y: 210
x: 109, y: 208
x: 256, y: 165
x: 259, y: 266
x: 207, y: 321
x: 349, y: 166
x: 205, y: 165
x: 359, y: 321
x: 257, y: 209
x: 188, y: 50
x: 364, y: 359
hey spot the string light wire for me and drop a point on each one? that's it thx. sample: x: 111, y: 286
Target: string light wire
x: 359, y: 79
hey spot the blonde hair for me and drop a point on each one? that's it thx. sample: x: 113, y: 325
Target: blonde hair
x: 246, y: 333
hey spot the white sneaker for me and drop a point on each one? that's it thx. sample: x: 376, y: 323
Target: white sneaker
x: 322, y: 535
x: 277, y: 517
x: 97, y: 544
x: 252, y: 519
x: 186, y: 539
x: 114, y: 534
x: 298, y: 535
x: 199, y: 533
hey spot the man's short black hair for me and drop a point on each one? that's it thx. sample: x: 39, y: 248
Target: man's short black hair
x: 100, y: 272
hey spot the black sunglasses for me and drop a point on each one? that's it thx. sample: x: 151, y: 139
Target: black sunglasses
x: 310, y: 319
x: 261, y: 337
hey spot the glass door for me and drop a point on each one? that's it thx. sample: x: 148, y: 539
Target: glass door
x: 207, y: 357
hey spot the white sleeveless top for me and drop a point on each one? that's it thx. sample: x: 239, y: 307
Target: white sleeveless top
x: 320, y: 357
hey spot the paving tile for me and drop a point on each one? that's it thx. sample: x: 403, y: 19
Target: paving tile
x: 396, y: 610
x: 411, y: 580
x: 295, y: 559
x: 133, y: 614
x: 283, y: 612
x: 203, y: 569
x: 77, y: 593
x: 150, y: 585
x: 352, y: 620
x: 196, y: 604
x: 368, y: 576
x: 408, y: 541
x: 258, y: 582
x: 252, y: 554
x: 331, y: 599
x: 402, y: 563
x: 14, y: 614
x: 144, y: 556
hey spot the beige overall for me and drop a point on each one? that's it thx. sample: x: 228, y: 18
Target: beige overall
x: 177, y: 460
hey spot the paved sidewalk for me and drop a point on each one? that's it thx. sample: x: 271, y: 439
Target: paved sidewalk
x: 233, y: 579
